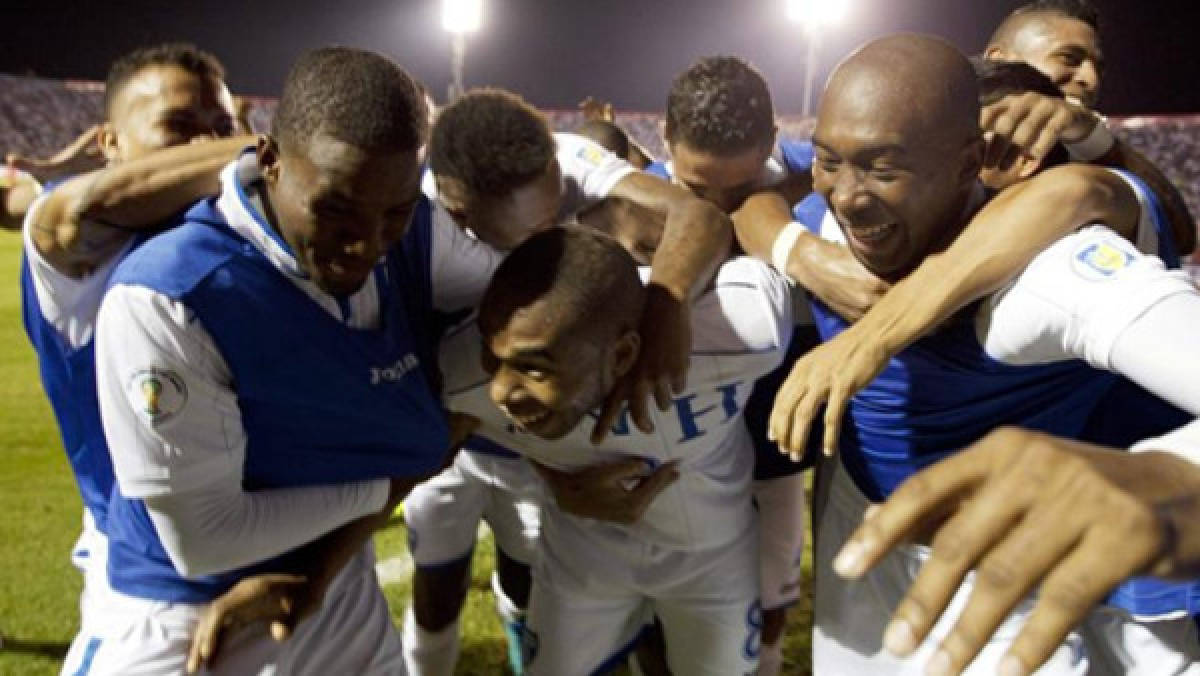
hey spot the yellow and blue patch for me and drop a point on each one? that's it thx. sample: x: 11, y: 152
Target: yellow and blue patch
x: 1101, y: 260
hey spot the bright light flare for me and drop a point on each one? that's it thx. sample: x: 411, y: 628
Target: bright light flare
x: 462, y: 16
x: 816, y: 13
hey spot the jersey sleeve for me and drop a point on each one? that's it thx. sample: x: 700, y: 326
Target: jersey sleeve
x: 175, y: 433
x: 747, y: 311
x: 66, y: 303
x: 460, y: 265
x: 1075, y: 300
x: 589, y: 168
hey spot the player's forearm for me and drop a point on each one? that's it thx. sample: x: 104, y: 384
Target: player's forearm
x: 696, y: 238
x: 147, y: 191
x: 211, y: 531
x: 1183, y: 227
x: 760, y: 221
x: 696, y: 235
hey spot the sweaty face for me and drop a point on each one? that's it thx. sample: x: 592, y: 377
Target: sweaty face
x: 894, y: 191
x: 1065, y: 50
x: 164, y: 106
x: 546, y: 376
x: 339, y: 207
x: 505, y: 221
x: 724, y: 180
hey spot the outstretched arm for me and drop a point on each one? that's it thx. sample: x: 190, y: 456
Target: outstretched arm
x: 85, y: 220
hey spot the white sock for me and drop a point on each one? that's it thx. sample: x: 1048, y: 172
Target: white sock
x: 429, y: 653
x: 770, y: 658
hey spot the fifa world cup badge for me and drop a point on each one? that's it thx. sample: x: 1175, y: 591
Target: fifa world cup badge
x: 157, y: 394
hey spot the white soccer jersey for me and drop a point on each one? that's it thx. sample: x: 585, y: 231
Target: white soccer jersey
x: 462, y: 266
x: 741, y: 330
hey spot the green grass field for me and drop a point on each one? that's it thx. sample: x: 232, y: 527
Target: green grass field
x: 39, y: 589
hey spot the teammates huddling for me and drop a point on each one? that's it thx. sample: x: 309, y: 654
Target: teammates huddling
x: 256, y: 347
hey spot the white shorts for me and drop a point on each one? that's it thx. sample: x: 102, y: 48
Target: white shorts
x: 781, y: 514
x: 443, y: 513
x: 850, y: 617
x: 1118, y: 644
x: 352, y: 633
x: 90, y: 556
x: 594, y: 589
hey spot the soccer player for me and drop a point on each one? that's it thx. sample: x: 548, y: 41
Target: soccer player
x: 1061, y: 38
x: 720, y: 132
x: 264, y: 374
x: 558, y: 327
x: 76, y: 232
x: 501, y: 175
x: 899, y: 174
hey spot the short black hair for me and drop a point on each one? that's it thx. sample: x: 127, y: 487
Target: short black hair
x: 1080, y: 10
x: 583, y: 274
x: 998, y: 79
x: 492, y: 141
x: 356, y: 96
x: 607, y: 134
x: 182, y: 54
x: 720, y: 105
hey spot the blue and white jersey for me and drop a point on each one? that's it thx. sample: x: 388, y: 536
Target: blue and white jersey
x: 1038, y: 354
x: 59, y: 313
x: 227, y: 377
x: 740, y: 330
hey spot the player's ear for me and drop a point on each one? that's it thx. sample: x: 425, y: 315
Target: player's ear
x: 625, y: 352
x: 106, y: 139
x: 268, y: 158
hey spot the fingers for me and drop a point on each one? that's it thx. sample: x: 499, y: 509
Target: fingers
x: 779, y: 425
x: 957, y: 546
x: 915, y: 501
x: 1003, y: 577
x: 611, y: 410
x: 651, y: 486
x: 639, y: 411
x: 620, y: 471
x: 835, y: 408
x: 1067, y: 594
x: 204, y: 643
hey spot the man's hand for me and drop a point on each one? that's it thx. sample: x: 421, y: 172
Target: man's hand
x: 661, y: 367
x: 1025, y: 509
x: 831, y: 272
x: 81, y: 155
x: 1032, y: 124
x: 830, y: 373
x: 601, y: 492
x: 279, y: 600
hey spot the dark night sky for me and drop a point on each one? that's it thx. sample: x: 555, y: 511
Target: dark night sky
x: 557, y: 51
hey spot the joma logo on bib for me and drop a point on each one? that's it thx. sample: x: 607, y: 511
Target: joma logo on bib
x: 396, y: 371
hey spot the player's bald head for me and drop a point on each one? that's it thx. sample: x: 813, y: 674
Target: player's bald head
x: 565, y: 278
x: 923, y: 86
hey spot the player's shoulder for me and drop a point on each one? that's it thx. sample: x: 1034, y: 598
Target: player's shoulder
x: 574, y: 150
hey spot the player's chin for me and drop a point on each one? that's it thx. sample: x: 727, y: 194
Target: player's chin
x: 554, y: 426
x: 340, y: 283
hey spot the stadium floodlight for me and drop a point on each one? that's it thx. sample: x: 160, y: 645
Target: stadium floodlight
x: 460, y: 17
x: 814, y: 16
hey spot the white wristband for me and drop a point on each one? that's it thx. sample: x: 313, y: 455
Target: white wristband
x: 1097, y: 143
x: 781, y: 250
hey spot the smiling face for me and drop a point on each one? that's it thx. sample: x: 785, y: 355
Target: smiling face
x: 548, y: 370
x: 507, y: 220
x: 724, y: 180
x: 165, y: 105
x: 338, y: 206
x: 895, y: 158
x: 1066, y: 50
